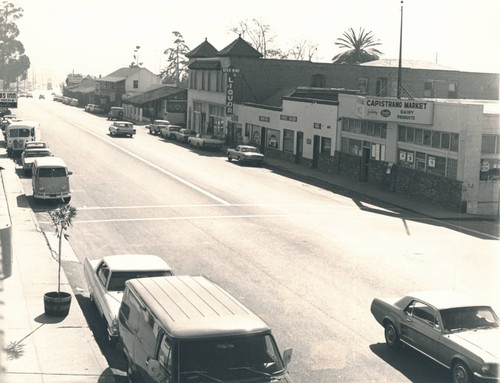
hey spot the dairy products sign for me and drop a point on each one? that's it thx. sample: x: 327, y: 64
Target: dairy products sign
x: 8, y: 99
x: 396, y: 110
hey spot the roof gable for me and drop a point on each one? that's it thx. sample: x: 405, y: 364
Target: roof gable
x: 240, y: 48
x: 122, y: 74
x: 205, y: 49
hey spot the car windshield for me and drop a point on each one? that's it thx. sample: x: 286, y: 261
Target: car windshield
x: 118, y: 278
x: 52, y: 172
x: 251, y: 150
x: 21, y: 132
x: 229, y: 358
x: 469, y: 318
x: 37, y: 153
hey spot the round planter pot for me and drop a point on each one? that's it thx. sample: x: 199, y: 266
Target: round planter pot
x: 57, y: 304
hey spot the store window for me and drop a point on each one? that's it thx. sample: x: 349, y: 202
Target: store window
x: 273, y: 138
x: 326, y: 145
x: 428, y: 89
x: 363, y: 84
x: 354, y: 147
x: 489, y: 144
x: 318, y: 81
x: 436, y: 165
x: 381, y: 87
x: 453, y: 89
x: 288, y: 141
x: 136, y: 84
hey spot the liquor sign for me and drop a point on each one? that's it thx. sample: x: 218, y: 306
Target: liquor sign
x: 230, y: 89
x: 396, y: 110
x: 8, y: 99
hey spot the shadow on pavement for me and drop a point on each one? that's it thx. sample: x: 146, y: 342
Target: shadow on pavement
x: 413, y: 365
x: 96, y: 323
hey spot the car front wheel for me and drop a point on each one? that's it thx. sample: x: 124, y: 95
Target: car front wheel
x: 391, y: 335
x: 461, y: 373
x: 229, y: 157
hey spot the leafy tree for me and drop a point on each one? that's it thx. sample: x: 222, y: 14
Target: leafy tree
x: 176, y: 70
x: 260, y: 37
x: 62, y: 218
x: 303, y: 50
x: 360, y: 48
x: 13, y: 62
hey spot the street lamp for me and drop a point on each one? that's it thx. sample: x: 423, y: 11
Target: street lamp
x: 400, y: 52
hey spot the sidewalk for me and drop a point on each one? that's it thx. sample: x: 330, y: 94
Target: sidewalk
x: 363, y: 190
x: 38, y: 348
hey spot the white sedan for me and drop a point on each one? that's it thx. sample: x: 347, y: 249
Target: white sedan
x: 122, y: 128
x: 106, y: 281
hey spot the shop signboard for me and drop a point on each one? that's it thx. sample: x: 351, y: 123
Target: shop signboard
x: 396, y: 110
x: 230, y: 89
x: 8, y: 99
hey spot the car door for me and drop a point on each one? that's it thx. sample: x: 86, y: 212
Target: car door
x: 103, y: 274
x: 421, y: 328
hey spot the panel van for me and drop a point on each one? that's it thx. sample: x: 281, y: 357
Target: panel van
x: 50, y: 179
x: 180, y: 329
x: 20, y: 132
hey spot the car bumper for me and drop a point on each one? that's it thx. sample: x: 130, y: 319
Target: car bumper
x: 51, y: 195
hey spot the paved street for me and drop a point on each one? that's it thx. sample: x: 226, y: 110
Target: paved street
x: 307, y: 260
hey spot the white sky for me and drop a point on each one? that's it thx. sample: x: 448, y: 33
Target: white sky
x: 96, y: 37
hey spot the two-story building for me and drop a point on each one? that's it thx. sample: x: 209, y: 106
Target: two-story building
x: 111, y: 89
x: 444, y: 150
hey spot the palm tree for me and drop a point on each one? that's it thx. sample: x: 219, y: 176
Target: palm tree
x: 360, y: 48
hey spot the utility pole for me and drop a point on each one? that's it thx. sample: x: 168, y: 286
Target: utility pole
x: 400, y: 52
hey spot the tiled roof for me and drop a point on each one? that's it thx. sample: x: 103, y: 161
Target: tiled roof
x: 412, y: 64
x: 86, y: 86
x: 240, y: 48
x: 205, y: 49
x: 155, y: 94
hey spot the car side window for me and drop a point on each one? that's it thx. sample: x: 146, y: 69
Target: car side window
x: 103, y: 273
x: 422, y: 311
x: 165, y: 357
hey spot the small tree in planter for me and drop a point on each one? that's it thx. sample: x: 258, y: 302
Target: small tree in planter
x: 57, y: 303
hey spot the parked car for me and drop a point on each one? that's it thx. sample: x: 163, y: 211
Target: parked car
x: 35, y: 145
x: 93, y: 108
x: 205, y: 141
x: 30, y: 155
x: 29, y: 95
x: 453, y: 329
x: 169, y: 130
x: 106, y: 281
x: 115, y: 113
x: 74, y: 102
x: 50, y: 179
x: 122, y: 128
x: 41, y: 97
x: 183, y: 134
x: 245, y: 154
x: 155, y: 127
x: 188, y: 329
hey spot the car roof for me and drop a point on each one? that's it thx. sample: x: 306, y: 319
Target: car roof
x: 195, y: 307
x: 135, y: 262
x: 164, y: 121
x: 247, y: 146
x: 36, y: 143
x: 122, y: 122
x: 446, y: 299
x: 49, y: 162
x: 23, y: 124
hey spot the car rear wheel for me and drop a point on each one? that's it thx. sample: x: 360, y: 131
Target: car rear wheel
x: 391, y: 335
x: 461, y: 373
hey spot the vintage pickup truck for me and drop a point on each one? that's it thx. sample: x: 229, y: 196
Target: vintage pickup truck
x: 106, y: 281
x: 205, y: 142
x: 155, y: 127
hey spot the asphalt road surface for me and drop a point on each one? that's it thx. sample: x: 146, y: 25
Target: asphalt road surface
x: 306, y: 260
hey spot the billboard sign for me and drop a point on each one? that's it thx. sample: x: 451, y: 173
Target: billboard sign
x: 396, y: 110
x: 8, y: 99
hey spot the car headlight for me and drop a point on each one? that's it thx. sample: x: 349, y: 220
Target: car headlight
x: 41, y: 188
x: 490, y: 369
x: 114, y: 326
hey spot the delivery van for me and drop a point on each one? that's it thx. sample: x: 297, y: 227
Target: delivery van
x: 50, y: 179
x: 20, y: 132
x: 179, y: 329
